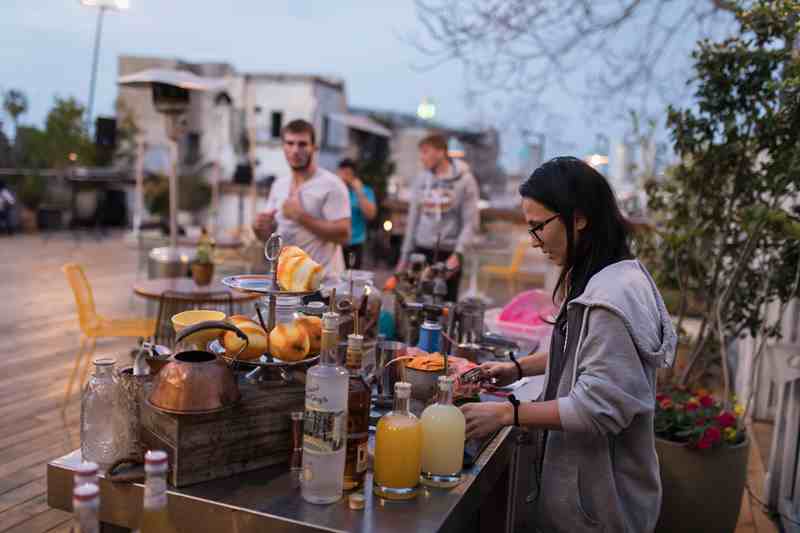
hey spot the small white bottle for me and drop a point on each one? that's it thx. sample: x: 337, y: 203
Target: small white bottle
x: 85, y: 508
x: 86, y: 473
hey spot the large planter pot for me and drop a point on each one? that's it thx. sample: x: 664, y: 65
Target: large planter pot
x: 702, y: 488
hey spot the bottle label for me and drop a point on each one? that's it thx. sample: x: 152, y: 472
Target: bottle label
x: 155, y: 493
x: 361, y: 458
x: 353, y: 359
x: 324, y: 431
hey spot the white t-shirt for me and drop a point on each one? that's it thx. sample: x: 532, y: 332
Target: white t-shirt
x: 323, y: 196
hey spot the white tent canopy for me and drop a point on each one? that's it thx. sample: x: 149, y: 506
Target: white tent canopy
x: 178, y: 78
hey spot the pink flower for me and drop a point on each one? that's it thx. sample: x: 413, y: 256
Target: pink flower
x: 691, y: 406
x: 704, y: 443
x: 726, y: 419
x: 706, y: 401
x: 701, y: 421
x: 713, y: 434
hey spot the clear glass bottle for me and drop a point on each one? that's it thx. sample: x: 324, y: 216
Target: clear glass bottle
x: 358, y: 404
x: 398, y: 449
x: 86, y: 473
x: 349, y: 292
x: 443, y: 431
x: 85, y: 508
x: 155, y: 513
x: 97, y: 414
x: 325, y: 424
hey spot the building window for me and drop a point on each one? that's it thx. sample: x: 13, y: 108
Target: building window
x: 276, y: 124
x: 326, y: 131
x: 192, y: 154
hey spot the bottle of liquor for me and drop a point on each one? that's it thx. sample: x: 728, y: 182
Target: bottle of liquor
x: 443, y: 429
x: 155, y: 515
x: 398, y: 449
x: 85, y: 505
x: 358, y: 404
x: 325, y: 424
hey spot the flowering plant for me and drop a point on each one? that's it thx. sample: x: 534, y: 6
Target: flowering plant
x: 696, y: 418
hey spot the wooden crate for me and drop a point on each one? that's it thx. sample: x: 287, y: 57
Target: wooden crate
x: 252, y: 434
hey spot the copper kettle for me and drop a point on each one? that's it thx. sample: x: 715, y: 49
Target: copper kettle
x: 196, y: 381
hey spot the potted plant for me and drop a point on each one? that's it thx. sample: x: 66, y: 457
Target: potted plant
x: 696, y: 434
x: 203, y: 262
x: 728, y: 235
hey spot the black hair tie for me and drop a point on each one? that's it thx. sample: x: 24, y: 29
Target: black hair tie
x: 515, y: 403
x: 516, y: 363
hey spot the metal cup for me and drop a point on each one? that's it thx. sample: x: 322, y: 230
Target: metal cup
x: 387, y: 377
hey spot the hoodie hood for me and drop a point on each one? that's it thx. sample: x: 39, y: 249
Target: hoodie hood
x: 626, y: 289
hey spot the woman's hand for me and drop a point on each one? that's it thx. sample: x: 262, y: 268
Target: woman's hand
x: 504, y: 373
x: 484, y: 418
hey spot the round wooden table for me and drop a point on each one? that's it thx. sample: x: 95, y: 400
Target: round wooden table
x: 152, y: 289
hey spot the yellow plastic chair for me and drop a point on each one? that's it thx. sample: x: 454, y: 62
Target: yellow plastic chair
x: 93, y: 325
x: 511, y: 272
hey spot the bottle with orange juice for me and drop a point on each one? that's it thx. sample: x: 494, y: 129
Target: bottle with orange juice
x: 398, y: 449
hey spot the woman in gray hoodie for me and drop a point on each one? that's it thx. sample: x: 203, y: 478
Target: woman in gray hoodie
x: 597, y: 468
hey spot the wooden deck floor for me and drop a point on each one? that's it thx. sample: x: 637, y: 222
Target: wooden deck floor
x: 38, y: 343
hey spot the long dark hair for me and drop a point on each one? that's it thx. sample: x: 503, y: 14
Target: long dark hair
x: 567, y: 186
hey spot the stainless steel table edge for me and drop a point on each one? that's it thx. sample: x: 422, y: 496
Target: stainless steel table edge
x: 121, y: 502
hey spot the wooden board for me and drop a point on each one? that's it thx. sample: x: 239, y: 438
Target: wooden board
x: 250, y: 435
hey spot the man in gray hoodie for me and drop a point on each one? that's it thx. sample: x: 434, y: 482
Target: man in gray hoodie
x: 443, y: 209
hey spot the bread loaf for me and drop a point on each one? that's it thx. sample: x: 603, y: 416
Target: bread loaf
x: 256, y: 336
x: 297, y: 272
x: 289, y: 342
x: 313, y: 327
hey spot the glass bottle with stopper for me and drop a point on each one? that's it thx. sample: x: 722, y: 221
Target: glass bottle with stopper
x: 398, y: 449
x: 443, y: 432
x: 358, y: 406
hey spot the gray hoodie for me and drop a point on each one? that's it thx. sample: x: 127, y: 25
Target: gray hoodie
x: 601, y: 472
x: 442, y: 206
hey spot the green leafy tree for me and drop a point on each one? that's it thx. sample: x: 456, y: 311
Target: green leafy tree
x: 727, y: 218
x: 15, y: 104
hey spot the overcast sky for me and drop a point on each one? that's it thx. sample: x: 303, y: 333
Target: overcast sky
x: 46, y: 49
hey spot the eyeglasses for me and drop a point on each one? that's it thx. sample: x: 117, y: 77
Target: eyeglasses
x: 534, y: 230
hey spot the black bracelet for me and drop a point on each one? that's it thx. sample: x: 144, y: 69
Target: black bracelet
x: 516, y: 363
x: 515, y: 403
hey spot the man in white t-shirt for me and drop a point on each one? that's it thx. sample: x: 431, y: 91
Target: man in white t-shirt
x: 311, y: 207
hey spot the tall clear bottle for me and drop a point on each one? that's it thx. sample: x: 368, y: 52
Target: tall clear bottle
x: 97, y: 414
x: 358, y: 403
x: 398, y: 449
x: 155, y: 514
x: 443, y: 432
x: 85, y: 508
x: 325, y: 424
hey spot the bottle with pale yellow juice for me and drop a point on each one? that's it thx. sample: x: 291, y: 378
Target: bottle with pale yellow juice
x: 398, y: 449
x: 443, y: 433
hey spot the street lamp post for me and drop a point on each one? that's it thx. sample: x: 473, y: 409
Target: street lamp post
x: 104, y: 5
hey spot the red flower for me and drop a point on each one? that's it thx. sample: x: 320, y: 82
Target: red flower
x: 666, y: 404
x: 712, y: 434
x: 726, y: 419
x: 660, y: 397
x: 691, y: 406
x: 706, y: 401
x: 701, y: 421
x: 704, y: 443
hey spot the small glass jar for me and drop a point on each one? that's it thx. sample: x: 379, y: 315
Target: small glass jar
x: 98, y: 443
x: 287, y: 308
x: 349, y: 295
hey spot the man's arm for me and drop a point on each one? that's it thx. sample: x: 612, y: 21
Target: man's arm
x: 366, y: 204
x: 469, y: 214
x: 411, y: 221
x: 337, y: 231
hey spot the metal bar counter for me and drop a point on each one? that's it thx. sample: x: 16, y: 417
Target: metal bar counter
x: 265, y: 500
